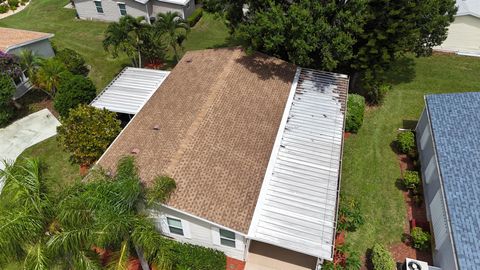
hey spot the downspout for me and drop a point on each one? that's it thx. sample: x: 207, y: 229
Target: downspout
x: 148, y: 14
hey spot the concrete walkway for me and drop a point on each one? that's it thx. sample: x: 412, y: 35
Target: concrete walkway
x: 20, y: 135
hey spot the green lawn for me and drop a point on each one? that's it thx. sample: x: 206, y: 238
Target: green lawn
x: 59, y: 172
x: 86, y: 37
x: 370, y: 167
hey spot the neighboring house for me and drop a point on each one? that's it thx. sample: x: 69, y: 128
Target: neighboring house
x: 449, y: 147
x: 464, y: 32
x: 255, y: 147
x: 13, y: 41
x: 111, y: 10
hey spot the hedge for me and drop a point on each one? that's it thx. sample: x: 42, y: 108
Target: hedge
x: 382, y: 259
x: 411, y: 180
x: 195, y: 17
x: 189, y: 256
x: 7, y: 90
x: 355, y: 111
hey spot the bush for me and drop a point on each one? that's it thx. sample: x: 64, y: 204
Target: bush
x: 4, y: 9
x: 74, y: 62
x: 194, y: 257
x: 406, y: 142
x: 73, y: 91
x: 7, y: 90
x: 87, y: 132
x: 195, y: 17
x: 350, y: 216
x: 382, y: 259
x: 13, y: 3
x: 420, y: 238
x: 355, y: 111
x: 411, y: 180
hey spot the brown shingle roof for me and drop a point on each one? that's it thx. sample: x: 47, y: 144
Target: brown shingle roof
x: 218, y: 112
x: 10, y: 37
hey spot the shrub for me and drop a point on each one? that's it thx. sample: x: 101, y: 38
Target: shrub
x: 7, y: 90
x: 74, y: 62
x: 420, y: 238
x: 87, y: 132
x: 13, y: 4
x: 382, y: 259
x: 195, y: 17
x: 355, y: 111
x: 73, y: 91
x: 350, y: 216
x: 376, y: 93
x: 189, y: 256
x: 4, y: 9
x: 411, y: 180
x: 163, y: 186
x: 406, y: 142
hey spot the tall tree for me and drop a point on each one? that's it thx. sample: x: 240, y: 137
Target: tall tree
x: 126, y: 36
x: 173, y: 28
x: 50, y: 74
x: 309, y: 33
x: 395, y: 27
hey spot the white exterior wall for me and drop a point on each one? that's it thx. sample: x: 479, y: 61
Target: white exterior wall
x: 463, y: 35
x: 41, y: 48
x: 111, y: 12
x: 198, y: 232
x: 443, y: 250
x: 161, y: 7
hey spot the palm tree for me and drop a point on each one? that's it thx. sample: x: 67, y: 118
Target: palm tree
x: 173, y: 28
x: 109, y: 215
x: 29, y: 62
x: 49, y: 75
x: 126, y: 36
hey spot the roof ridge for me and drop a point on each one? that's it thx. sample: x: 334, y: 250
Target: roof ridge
x: 189, y: 135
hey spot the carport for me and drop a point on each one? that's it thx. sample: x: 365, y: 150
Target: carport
x: 130, y: 90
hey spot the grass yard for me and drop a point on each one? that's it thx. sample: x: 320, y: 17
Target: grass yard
x: 59, y: 172
x: 86, y: 37
x: 370, y: 167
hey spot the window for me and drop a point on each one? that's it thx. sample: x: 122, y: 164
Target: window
x: 98, y: 5
x: 123, y: 9
x: 227, y: 238
x: 175, y: 225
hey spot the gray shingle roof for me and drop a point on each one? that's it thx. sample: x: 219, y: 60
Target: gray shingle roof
x: 455, y: 121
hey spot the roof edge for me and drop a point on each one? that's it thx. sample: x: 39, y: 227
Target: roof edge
x: 442, y: 190
x: 273, y: 154
x: 48, y: 36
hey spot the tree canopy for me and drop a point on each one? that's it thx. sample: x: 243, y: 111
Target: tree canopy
x: 73, y: 91
x: 359, y: 37
x: 87, y: 132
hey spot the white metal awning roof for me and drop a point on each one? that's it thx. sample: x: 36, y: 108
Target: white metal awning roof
x: 297, y: 206
x: 130, y: 90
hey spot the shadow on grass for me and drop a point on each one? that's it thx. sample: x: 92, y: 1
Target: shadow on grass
x: 402, y: 71
x: 368, y: 259
x: 409, y: 124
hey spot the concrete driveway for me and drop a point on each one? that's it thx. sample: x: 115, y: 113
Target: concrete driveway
x: 24, y: 133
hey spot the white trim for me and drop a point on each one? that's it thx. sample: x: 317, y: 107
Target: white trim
x: 176, y: 2
x: 202, y: 219
x: 16, y: 46
x: 273, y: 155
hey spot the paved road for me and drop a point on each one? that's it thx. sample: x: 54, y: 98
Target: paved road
x: 24, y: 133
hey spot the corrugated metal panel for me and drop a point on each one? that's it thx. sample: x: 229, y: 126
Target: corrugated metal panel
x: 297, y: 206
x: 130, y: 90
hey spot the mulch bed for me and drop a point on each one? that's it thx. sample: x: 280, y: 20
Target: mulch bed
x: 416, y: 215
x: 234, y: 264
